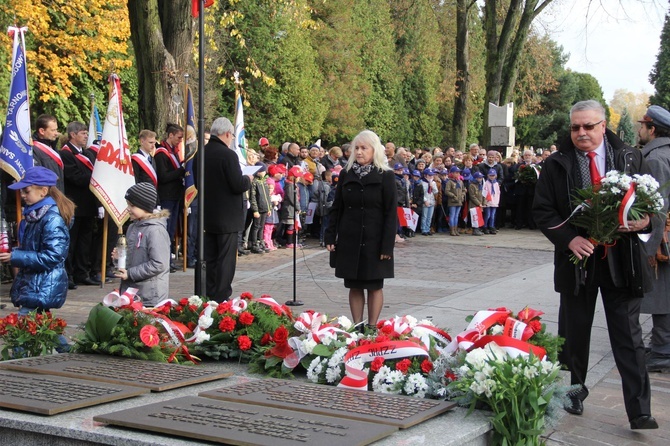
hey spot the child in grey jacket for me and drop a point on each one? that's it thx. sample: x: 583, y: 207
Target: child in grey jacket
x: 148, y: 251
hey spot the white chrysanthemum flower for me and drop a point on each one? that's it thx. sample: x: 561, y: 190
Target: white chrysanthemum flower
x: 205, y: 322
x: 333, y: 374
x: 415, y: 385
x: 328, y: 338
x: 308, y: 345
x: 344, y: 322
x: 480, y: 376
x: 201, y: 337
x: 314, y: 370
x: 338, y: 357
x: 195, y: 300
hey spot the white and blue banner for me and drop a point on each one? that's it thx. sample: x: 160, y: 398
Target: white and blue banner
x: 240, y: 140
x: 16, y: 153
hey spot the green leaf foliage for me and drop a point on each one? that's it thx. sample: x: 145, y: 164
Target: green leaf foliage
x: 660, y: 74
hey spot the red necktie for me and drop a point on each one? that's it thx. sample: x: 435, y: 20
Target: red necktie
x: 593, y: 169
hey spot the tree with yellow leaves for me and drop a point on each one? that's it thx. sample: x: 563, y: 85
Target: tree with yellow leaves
x: 71, y: 47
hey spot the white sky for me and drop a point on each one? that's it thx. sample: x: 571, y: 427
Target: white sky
x: 617, y: 44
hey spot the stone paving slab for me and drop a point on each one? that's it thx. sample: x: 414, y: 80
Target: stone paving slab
x: 513, y: 268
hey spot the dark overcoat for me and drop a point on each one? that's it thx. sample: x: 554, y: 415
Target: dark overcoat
x: 657, y: 155
x: 363, y: 225
x: 224, y: 188
x: 553, y: 204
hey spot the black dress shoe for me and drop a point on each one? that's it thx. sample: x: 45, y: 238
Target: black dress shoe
x: 643, y: 422
x: 88, y: 281
x: 71, y: 286
x: 658, y: 363
x: 575, y: 403
x: 173, y: 269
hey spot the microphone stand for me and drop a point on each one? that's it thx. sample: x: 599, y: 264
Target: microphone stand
x: 294, y: 302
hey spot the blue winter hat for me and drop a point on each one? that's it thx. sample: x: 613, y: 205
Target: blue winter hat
x: 493, y: 172
x: 428, y: 171
x: 466, y: 172
x: 478, y: 174
x: 454, y: 169
x: 416, y: 173
x: 405, y: 171
x: 36, y: 176
x: 397, y: 166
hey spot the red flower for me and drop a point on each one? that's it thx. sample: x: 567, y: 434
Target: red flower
x: 246, y: 318
x: 450, y: 375
x: 266, y: 339
x: 535, y: 325
x: 528, y: 314
x: 191, y: 326
x: 149, y: 335
x: 183, y: 302
x: 403, y: 365
x: 224, y: 307
x: 426, y: 366
x: 244, y: 342
x: 278, y: 310
x: 12, y: 319
x: 227, y: 324
x: 364, y: 341
x: 382, y: 338
x: 281, y: 335
x: 387, y: 329
x: 377, y: 364
x: 247, y: 295
x: 179, y: 308
x: 32, y: 328
x: 193, y: 307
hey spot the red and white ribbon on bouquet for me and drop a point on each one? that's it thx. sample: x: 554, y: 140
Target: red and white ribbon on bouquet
x: 269, y: 301
x: 312, y: 322
x: 400, y: 326
x: 354, y: 361
x: 481, y: 321
x: 425, y: 332
x: 513, y: 347
x: 626, y: 204
x: 114, y: 299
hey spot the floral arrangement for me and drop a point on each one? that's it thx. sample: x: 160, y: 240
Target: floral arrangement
x: 34, y: 334
x: 528, y: 173
x: 602, y: 208
x: 190, y: 328
x: 518, y: 389
x: 393, y: 359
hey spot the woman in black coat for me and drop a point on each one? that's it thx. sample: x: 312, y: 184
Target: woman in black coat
x: 362, y: 228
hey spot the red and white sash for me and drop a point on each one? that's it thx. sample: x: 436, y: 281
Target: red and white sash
x: 81, y: 157
x: 173, y: 158
x: 49, y: 152
x: 146, y: 166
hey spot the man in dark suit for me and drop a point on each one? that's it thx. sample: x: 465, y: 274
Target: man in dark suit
x: 77, y: 170
x: 621, y: 273
x: 224, y: 212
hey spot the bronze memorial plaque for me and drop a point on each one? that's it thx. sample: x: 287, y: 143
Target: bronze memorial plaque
x: 49, y: 395
x: 242, y: 424
x: 394, y: 410
x: 156, y: 376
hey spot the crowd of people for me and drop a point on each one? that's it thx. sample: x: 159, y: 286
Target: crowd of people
x: 336, y: 196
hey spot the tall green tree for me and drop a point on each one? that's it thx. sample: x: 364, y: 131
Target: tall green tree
x: 625, y: 129
x: 660, y: 74
x: 506, y: 25
x: 418, y: 45
x: 162, y: 36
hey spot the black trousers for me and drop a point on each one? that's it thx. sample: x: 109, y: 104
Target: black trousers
x: 78, y: 263
x: 221, y: 257
x: 622, y: 313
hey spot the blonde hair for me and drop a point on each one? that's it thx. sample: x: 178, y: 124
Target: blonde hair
x: 64, y: 204
x: 370, y: 138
